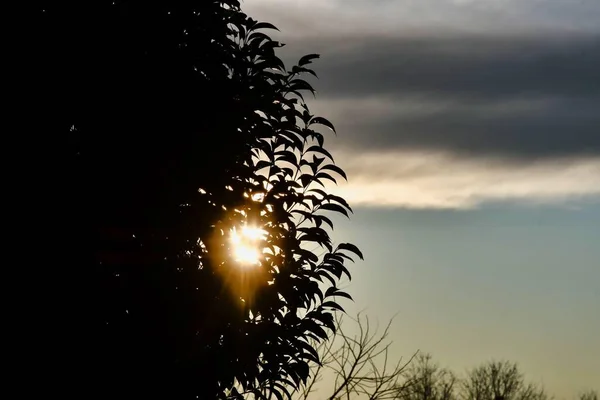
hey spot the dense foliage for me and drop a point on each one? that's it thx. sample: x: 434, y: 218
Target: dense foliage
x: 172, y: 124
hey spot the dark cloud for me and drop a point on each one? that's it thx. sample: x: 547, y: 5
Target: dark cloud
x: 451, y: 104
x: 565, y: 128
x: 479, y: 80
x: 464, y: 67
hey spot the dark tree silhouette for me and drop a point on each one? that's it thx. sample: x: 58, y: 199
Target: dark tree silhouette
x: 428, y: 381
x: 358, y: 364
x: 499, y: 380
x: 355, y: 366
x: 166, y: 126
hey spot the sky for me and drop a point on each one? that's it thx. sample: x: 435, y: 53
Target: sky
x: 470, y: 132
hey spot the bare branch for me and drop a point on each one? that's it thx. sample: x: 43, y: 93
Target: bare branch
x: 360, y: 363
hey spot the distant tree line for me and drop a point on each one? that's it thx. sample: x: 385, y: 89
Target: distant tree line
x: 359, y: 366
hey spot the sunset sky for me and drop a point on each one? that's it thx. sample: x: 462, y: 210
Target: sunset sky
x: 470, y: 132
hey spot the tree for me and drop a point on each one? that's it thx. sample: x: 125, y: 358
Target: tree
x: 179, y: 126
x: 428, y: 381
x: 358, y: 364
x: 499, y: 380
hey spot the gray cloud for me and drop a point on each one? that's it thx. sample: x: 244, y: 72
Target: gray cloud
x: 512, y: 98
x: 461, y: 67
x: 528, y: 129
x: 451, y: 103
x: 503, y: 92
x: 343, y: 18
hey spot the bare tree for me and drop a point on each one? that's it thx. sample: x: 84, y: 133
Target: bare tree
x: 359, y: 365
x: 499, y: 380
x: 428, y: 381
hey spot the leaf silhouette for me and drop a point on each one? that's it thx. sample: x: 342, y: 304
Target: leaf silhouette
x: 322, y: 121
x: 307, y: 59
x: 264, y: 25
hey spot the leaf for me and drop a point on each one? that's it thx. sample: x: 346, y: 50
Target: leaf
x: 277, y: 393
x: 292, y: 372
x: 340, y: 293
x: 335, y: 168
x: 321, y: 150
x: 287, y: 156
x: 324, y: 273
x: 327, y: 319
x: 259, y: 393
x: 340, y: 200
x: 319, y: 138
x: 262, y: 164
x: 288, y: 172
x: 322, y: 175
x: 324, y: 122
x: 352, y: 248
x: 345, y: 271
x: 326, y: 220
x: 303, y: 371
x: 300, y: 96
x: 306, y: 179
x: 334, y: 268
x: 300, y: 84
x: 309, y: 349
x: 256, y: 38
x: 264, y: 25
x: 298, y: 70
x: 307, y: 59
x: 320, y: 192
x: 315, y: 275
x: 310, y: 357
x: 319, y: 331
x: 311, y: 237
x: 272, y: 61
x: 333, y: 304
x: 334, y: 207
x: 298, y: 143
x: 307, y: 215
x: 307, y: 255
x: 342, y: 256
x: 314, y: 166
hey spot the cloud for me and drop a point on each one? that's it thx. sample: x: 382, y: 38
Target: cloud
x: 454, y: 103
x: 512, y: 128
x: 473, y: 67
x: 344, y: 18
x: 519, y: 98
x: 443, y: 181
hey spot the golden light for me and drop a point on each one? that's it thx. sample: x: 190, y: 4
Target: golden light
x: 258, y: 197
x: 247, y: 241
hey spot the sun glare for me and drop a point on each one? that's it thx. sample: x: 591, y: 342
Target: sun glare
x: 247, y: 245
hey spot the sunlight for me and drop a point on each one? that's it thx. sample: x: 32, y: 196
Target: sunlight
x: 247, y: 245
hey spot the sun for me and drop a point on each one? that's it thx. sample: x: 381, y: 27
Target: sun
x: 247, y: 245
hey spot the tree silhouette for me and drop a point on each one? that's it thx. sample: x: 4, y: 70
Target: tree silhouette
x: 358, y: 365
x: 167, y: 125
x: 428, y: 381
x: 499, y: 380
